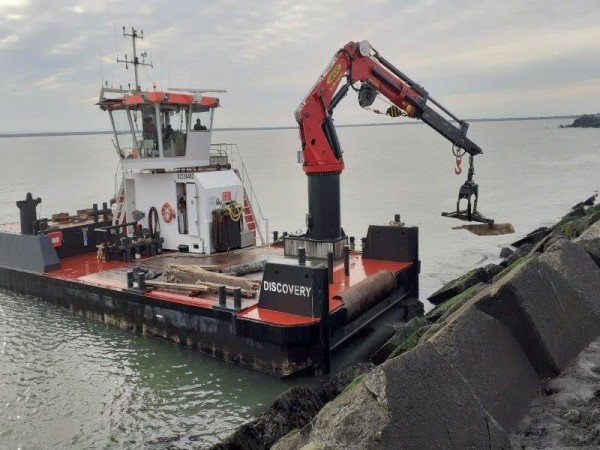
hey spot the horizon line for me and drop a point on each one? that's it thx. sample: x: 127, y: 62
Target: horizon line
x: 283, y: 127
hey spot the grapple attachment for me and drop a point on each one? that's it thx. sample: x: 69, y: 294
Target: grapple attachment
x: 469, y: 193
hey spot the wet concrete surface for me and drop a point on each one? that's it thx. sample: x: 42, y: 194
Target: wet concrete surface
x: 567, y: 414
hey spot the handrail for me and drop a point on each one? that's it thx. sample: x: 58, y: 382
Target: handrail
x: 117, y: 184
x: 232, y: 150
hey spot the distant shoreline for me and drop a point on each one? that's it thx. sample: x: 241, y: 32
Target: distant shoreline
x: 291, y: 127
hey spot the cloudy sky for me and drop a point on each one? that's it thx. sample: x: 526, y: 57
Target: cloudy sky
x: 481, y: 58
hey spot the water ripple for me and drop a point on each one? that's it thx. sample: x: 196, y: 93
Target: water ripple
x: 69, y: 382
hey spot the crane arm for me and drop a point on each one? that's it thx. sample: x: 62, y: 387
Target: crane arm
x: 358, y: 62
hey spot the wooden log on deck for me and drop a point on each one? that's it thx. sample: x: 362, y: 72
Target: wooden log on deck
x: 207, y: 267
x: 200, y: 287
x: 245, y: 269
x: 177, y: 286
x: 214, y: 287
x: 184, y: 273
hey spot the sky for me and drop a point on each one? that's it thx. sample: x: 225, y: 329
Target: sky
x: 480, y: 58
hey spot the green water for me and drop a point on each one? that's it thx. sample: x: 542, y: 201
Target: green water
x: 70, y: 382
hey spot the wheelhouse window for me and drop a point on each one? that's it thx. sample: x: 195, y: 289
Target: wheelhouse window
x: 201, y: 118
x: 146, y: 126
x: 174, y: 130
x: 125, y: 140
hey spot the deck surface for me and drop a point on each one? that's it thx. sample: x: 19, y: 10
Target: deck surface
x: 15, y: 227
x: 112, y: 275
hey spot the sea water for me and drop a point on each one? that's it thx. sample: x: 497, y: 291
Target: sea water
x: 70, y: 382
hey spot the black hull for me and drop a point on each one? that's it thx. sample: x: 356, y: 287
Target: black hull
x: 277, y: 350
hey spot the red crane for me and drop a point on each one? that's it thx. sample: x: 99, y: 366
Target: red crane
x: 321, y: 150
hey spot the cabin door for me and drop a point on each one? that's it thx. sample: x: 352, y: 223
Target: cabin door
x: 192, y: 209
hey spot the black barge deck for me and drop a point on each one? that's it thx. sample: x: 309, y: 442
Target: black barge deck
x: 270, y: 340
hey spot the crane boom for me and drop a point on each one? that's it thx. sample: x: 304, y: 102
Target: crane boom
x: 322, y: 155
x: 358, y: 63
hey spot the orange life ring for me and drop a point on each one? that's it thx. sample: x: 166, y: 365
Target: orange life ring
x: 167, y: 212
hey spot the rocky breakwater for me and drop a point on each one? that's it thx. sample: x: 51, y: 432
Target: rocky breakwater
x: 465, y: 374
x: 585, y: 121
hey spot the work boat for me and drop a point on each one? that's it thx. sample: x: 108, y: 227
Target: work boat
x: 183, y: 251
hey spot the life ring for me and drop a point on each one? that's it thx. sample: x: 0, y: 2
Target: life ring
x: 167, y: 212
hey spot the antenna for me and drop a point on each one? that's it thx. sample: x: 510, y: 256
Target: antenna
x: 135, y: 60
x: 101, y: 68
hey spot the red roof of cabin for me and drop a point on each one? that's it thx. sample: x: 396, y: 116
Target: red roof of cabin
x: 162, y: 97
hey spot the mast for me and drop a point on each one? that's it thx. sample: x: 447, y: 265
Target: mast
x: 135, y: 61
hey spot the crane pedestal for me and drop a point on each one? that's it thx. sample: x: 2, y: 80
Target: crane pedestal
x: 314, y: 248
x: 324, y: 212
x: 323, y: 220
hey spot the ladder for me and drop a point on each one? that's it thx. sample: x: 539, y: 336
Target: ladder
x: 249, y: 214
x: 120, y: 202
x: 248, y: 211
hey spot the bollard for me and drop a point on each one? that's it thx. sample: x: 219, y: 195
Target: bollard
x: 130, y: 275
x: 105, y: 211
x: 141, y: 281
x: 237, y: 298
x: 301, y: 255
x: 346, y: 260
x: 330, y: 267
x: 222, y: 296
x: 28, y: 213
x: 352, y: 243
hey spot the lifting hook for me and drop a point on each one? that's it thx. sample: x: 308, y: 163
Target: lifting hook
x: 458, y: 155
x: 458, y: 169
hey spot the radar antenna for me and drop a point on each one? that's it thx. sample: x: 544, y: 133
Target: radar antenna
x: 135, y: 60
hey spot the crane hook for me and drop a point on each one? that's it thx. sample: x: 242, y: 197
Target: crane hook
x: 458, y: 169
